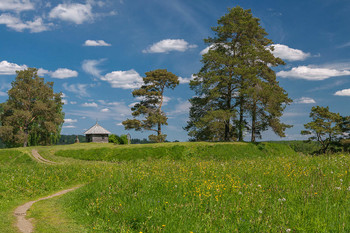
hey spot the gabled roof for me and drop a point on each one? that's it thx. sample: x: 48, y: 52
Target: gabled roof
x: 97, y: 129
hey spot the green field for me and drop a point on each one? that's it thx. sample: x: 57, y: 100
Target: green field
x: 177, y: 187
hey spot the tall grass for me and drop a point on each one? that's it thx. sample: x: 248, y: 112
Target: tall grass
x: 297, y: 194
x: 178, y: 151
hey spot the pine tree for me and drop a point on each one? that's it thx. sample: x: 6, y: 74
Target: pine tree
x: 235, y: 82
x: 152, y: 95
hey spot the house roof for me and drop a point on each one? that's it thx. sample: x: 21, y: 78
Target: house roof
x: 97, y: 129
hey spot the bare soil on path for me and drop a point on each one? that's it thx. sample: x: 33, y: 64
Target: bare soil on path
x: 25, y: 225
x: 40, y: 159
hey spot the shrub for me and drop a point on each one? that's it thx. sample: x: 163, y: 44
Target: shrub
x: 113, y: 139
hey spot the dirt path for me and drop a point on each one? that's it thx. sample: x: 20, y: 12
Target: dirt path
x: 40, y: 159
x: 25, y: 225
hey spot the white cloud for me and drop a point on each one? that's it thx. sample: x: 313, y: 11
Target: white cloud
x: 183, y: 107
x: 93, y: 104
x: 69, y: 126
x: 124, y: 79
x: 16, y: 5
x: 305, y: 100
x: 63, y: 73
x: 312, y: 73
x: 96, y: 43
x: 186, y: 80
x: 72, y: 12
x: 165, y: 46
x: 73, y: 102
x: 79, y: 89
x: 290, y: 54
x: 105, y: 110
x: 18, y: 25
x: 70, y: 121
x: 2, y: 93
x: 64, y: 101
x: 206, y: 50
x: 42, y: 72
x: 345, y: 92
x: 90, y: 67
x: 7, y: 68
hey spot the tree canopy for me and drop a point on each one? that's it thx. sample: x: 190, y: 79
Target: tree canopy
x: 152, y: 100
x: 236, y: 84
x: 32, y: 115
x: 325, y: 127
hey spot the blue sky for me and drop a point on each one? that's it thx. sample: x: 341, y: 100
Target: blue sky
x: 97, y: 51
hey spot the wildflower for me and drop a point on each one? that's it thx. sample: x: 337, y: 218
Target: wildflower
x: 338, y: 188
x: 288, y: 230
x: 163, y: 225
x: 341, y: 180
x: 260, y: 211
x: 259, y: 185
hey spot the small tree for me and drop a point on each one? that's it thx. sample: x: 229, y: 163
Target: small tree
x: 33, y: 112
x: 152, y: 95
x: 325, y: 126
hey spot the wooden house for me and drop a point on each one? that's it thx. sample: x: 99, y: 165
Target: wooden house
x: 97, y: 134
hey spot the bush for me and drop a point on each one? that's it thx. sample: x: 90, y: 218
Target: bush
x: 123, y: 139
x: 113, y: 139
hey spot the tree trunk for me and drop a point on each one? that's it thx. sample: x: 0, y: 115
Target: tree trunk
x: 159, y: 130
x: 25, y: 143
x: 241, y: 119
x: 253, y: 122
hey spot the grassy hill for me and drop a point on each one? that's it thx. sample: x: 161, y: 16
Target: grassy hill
x: 178, y: 187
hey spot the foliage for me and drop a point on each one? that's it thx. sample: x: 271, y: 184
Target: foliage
x: 33, y: 113
x: 122, y: 139
x: 152, y: 95
x: 237, y: 80
x: 324, y: 127
x: 113, y: 138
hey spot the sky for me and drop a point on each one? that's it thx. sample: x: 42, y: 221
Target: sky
x: 96, y: 53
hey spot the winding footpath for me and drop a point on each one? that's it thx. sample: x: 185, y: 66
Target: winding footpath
x: 23, y: 224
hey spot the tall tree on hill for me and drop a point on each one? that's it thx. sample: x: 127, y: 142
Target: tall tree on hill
x: 325, y: 127
x: 33, y: 112
x: 236, y: 65
x: 152, y: 95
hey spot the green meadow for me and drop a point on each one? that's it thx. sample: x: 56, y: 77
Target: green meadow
x: 177, y: 187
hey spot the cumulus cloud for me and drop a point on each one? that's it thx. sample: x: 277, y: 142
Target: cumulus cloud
x: 183, y: 107
x: 16, y: 5
x: 63, y: 73
x: 186, y: 80
x: 18, y: 25
x: 90, y: 67
x: 105, y: 110
x: 168, y: 45
x: 206, y: 50
x: 312, y: 73
x: 73, y: 12
x: 93, y: 104
x: 290, y: 54
x: 124, y: 79
x: 96, y: 43
x: 7, y: 68
x: 345, y: 92
x: 79, y: 89
x: 305, y: 100
x: 70, y: 121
